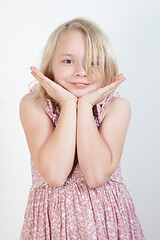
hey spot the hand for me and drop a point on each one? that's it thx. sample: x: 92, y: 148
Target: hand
x: 54, y: 90
x: 101, y: 93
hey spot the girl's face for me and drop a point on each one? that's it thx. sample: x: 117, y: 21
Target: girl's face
x: 68, y: 65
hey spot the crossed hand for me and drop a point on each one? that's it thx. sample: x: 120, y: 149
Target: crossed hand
x: 62, y: 96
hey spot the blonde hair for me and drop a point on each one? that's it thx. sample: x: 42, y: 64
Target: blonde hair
x: 98, y: 45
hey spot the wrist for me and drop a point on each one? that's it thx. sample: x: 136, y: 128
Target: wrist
x: 84, y: 108
x: 81, y: 101
x: 70, y: 102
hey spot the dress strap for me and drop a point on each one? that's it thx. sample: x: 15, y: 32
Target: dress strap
x: 101, y: 105
x: 113, y: 95
x: 53, y: 112
x: 34, y: 88
x: 107, y: 99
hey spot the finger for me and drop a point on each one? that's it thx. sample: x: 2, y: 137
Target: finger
x: 113, y: 85
x: 34, y: 69
x: 110, y: 88
x: 118, y: 79
x: 114, y: 88
x: 39, y: 80
x: 41, y: 76
x: 122, y: 79
x: 49, y: 83
x: 119, y: 76
x: 38, y: 75
x: 110, y: 92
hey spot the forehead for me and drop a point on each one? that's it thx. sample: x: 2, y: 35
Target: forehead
x: 72, y: 42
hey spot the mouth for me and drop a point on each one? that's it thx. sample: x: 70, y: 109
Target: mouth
x: 80, y: 85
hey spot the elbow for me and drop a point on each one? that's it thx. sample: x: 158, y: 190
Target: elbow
x: 103, y: 178
x: 92, y: 186
x: 56, y: 179
x: 55, y: 182
x: 99, y: 182
x: 96, y: 184
x: 53, y: 178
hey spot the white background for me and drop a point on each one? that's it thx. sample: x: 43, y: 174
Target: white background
x: 133, y: 29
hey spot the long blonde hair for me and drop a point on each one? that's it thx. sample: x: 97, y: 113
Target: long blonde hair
x: 98, y: 44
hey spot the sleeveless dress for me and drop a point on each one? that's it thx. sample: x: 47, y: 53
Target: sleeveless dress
x: 75, y: 211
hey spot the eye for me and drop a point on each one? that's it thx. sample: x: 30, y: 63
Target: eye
x: 68, y: 61
x: 92, y: 63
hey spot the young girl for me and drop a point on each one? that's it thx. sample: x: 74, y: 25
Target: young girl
x: 75, y: 124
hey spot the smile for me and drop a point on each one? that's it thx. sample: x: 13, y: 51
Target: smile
x: 80, y: 85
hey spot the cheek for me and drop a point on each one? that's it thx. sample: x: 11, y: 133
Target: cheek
x: 62, y: 73
x: 97, y: 79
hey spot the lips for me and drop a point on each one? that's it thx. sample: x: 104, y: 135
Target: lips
x: 80, y: 85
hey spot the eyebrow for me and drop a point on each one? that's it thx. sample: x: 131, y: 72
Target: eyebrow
x: 67, y: 54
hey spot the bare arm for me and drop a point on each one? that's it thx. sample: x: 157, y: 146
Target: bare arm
x: 99, y: 151
x: 52, y: 149
x: 57, y: 155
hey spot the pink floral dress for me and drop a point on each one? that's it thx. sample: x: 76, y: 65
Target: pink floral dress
x: 76, y: 212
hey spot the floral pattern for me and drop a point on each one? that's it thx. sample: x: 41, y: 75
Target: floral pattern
x: 76, y: 212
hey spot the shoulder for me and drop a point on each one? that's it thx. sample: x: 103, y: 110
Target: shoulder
x: 116, y: 119
x: 27, y: 101
x: 27, y: 97
x: 30, y: 110
x: 117, y: 104
x: 32, y: 115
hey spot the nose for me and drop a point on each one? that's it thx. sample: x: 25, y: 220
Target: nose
x: 80, y: 71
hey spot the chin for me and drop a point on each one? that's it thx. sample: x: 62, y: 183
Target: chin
x: 79, y: 93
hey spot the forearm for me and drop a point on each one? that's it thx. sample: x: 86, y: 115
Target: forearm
x: 93, y: 153
x: 57, y: 155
